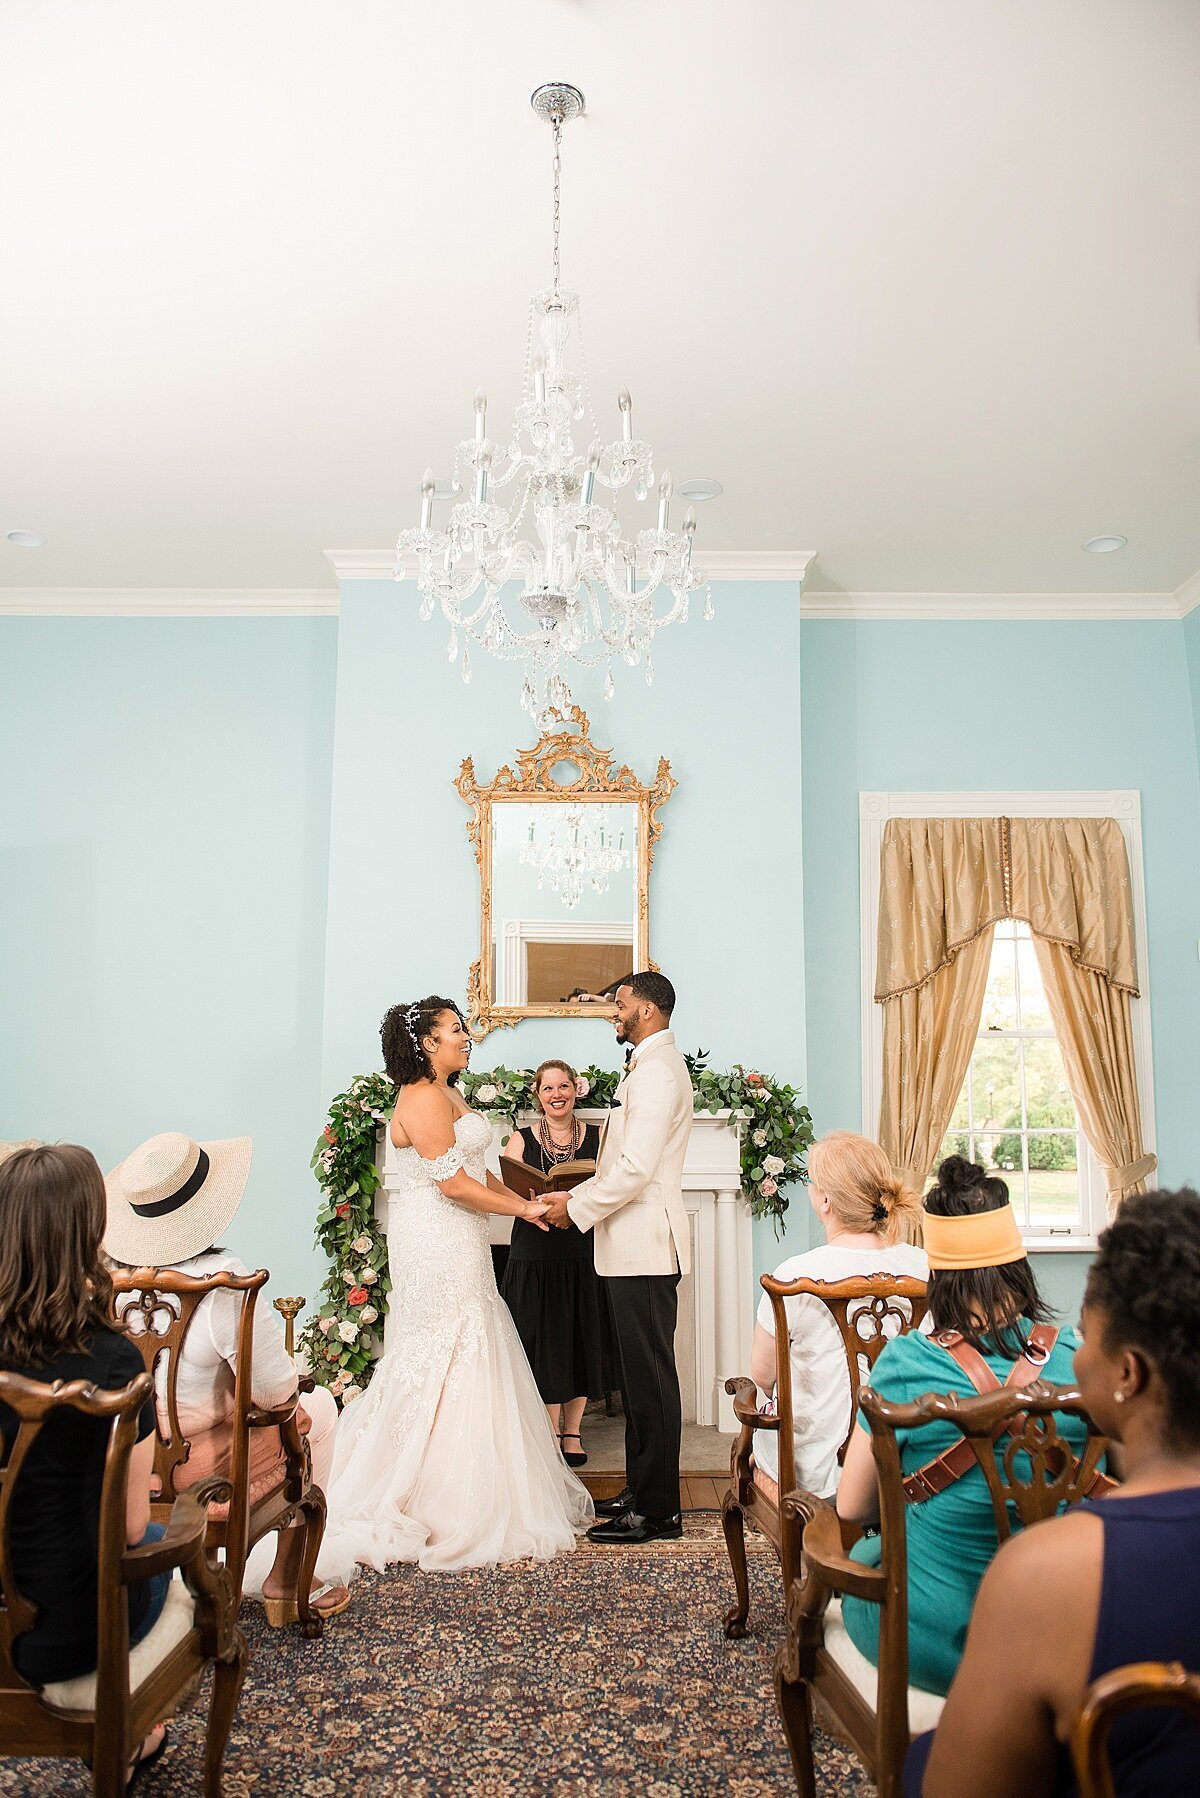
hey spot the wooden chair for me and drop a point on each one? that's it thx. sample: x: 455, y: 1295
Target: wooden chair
x: 159, y: 1306
x: 102, y: 1716
x: 868, y: 1311
x: 875, y: 1708
x: 1140, y: 1685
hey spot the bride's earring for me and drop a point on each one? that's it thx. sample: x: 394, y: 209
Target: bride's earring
x: 1118, y: 1398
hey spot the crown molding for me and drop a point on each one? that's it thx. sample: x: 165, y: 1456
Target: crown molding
x: 993, y: 606
x: 167, y: 602
x: 718, y: 565
x: 1187, y: 597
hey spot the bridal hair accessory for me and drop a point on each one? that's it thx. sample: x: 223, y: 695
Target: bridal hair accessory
x: 980, y: 1239
x: 173, y: 1198
x: 411, y: 1014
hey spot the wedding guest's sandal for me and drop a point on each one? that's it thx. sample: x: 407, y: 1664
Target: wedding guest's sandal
x: 142, y: 1761
x: 283, y: 1611
x: 579, y: 1460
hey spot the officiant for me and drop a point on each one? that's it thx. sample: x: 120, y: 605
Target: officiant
x: 549, y: 1282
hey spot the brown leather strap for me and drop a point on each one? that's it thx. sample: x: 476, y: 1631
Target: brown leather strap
x: 940, y: 1473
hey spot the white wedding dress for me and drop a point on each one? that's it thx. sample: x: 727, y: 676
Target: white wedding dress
x: 448, y: 1459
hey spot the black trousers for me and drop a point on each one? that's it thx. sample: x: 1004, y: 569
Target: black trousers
x: 644, y: 1308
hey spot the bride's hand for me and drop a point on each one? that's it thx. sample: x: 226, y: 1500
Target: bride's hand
x: 535, y: 1211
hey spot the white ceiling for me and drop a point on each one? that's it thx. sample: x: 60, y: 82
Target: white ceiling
x: 919, y: 283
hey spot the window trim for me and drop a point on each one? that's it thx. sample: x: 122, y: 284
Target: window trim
x: 1123, y: 804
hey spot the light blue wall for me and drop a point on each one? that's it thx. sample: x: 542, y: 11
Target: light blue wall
x: 727, y: 891
x: 916, y: 706
x: 1191, y: 638
x: 164, y: 820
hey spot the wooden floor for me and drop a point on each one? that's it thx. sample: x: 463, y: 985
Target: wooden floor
x: 697, y: 1491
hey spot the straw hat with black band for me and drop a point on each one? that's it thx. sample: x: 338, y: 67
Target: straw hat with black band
x: 173, y: 1198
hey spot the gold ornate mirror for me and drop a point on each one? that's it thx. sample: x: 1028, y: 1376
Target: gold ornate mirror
x: 564, y: 848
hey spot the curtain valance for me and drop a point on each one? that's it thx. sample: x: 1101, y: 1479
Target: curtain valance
x: 945, y: 880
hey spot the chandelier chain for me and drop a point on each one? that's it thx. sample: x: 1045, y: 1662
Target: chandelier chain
x: 557, y: 196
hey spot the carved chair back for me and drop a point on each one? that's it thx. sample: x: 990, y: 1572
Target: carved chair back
x: 158, y: 1307
x: 1001, y: 1427
x: 1138, y: 1686
x: 868, y: 1311
x: 34, y: 1402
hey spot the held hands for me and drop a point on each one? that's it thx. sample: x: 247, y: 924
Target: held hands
x: 535, y: 1210
x: 555, y: 1207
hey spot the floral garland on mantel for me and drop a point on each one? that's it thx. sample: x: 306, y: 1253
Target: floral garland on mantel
x: 342, y: 1340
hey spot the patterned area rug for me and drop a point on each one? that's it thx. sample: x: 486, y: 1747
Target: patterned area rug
x: 604, y: 1672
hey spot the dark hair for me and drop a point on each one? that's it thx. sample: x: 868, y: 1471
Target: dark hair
x: 1145, y: 1281
x: 957, y: 1295
x: 54, y: 1286
x: 655, y: 988
x: 401, y: 1032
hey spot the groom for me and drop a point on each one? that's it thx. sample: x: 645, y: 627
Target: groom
x: 634, y: 1203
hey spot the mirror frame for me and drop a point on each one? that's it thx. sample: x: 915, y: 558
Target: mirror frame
x: 597, y: 782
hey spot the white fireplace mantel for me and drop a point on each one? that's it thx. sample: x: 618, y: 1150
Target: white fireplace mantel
x: 717, y: 1298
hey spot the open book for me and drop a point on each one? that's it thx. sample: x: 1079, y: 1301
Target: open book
x: 518, y: 1176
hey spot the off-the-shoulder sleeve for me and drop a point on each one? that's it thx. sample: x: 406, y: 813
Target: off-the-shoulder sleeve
x: 445, y: 1166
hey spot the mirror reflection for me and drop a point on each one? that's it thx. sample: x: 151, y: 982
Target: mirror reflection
x: 564, y: 900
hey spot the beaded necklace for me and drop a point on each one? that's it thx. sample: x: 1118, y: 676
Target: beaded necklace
x: 554, y: 1153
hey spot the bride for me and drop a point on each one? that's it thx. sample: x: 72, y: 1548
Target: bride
x: 448, y: 1459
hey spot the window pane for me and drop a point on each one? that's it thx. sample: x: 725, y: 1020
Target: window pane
x: 960, y: 1118
x: 1000, y: 999
x: 996, y: 1084
x: 1053, y: 1179
x: 955, y: 1142
x: 1035, y: 1012
x: 1048, y: 1098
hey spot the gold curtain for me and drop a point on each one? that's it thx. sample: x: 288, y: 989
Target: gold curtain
x: 944, y: 882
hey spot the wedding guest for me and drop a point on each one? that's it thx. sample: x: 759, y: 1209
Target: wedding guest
x: 870, y: 1220
x: 982, y: 1287
x: 1105, y: 1584
x: 57, y: 1323
x: 169, y: 1204
x: 550, y: 1283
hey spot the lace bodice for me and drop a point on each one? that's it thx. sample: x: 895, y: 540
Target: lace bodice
x: 472, y: 1135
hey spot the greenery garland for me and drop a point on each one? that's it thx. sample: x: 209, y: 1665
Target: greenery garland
x: 342, y: 1340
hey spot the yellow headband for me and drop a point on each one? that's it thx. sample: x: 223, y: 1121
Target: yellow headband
x: 981, y: 1239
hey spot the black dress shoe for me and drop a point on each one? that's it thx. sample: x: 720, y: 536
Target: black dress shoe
x: 613, y: 1507
x: 631, y: 1527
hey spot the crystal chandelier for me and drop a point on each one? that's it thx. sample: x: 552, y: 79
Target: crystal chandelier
x: 587, y: 592
x: 577, y: 851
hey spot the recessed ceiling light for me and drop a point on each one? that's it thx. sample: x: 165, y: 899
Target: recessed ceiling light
x: 25, y: 539
x: 699, y: 489
x: 1104, y: 546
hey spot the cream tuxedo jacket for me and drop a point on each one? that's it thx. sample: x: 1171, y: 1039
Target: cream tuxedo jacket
x: 634, y: 1201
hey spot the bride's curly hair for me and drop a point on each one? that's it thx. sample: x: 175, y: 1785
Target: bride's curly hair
x: 401, y: 1033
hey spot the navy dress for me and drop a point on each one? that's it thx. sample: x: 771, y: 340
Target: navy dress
x: 551, y: 1289
x: 1149, y: 1611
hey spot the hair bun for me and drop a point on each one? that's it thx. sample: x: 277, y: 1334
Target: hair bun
x: 957, y: 1174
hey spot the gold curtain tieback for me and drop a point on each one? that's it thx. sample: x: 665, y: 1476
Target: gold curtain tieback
x: 1120, y: 1179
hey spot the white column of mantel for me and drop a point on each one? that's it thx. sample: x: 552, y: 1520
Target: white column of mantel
x: 731, y: 1350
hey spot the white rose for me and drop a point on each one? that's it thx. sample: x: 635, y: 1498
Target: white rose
x: 773, y: 1164
x: 760, y: 1139
x: 349, y: 1278
x: 348, y: 1331
x: 337, y: 1389
x: 325, y: 1324
x: 361, y: 1245
x: 368, y: 1277
x: 582, y: 1087
x: 368, y: 1314
x: 486, y: 1094
x: 349, y: 1392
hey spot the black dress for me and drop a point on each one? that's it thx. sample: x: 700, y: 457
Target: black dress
x: 551, y: 1289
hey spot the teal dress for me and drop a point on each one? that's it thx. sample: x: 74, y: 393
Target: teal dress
x: 952, y: 1537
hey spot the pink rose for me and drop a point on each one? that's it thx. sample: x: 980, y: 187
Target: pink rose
x: 768, y: 1188
x: 582, y: 1087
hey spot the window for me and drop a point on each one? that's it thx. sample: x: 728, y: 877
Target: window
x: 1015, y: 1113
x: 1027, y: 1119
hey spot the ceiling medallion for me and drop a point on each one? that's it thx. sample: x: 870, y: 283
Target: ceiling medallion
x: 587, y: 591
